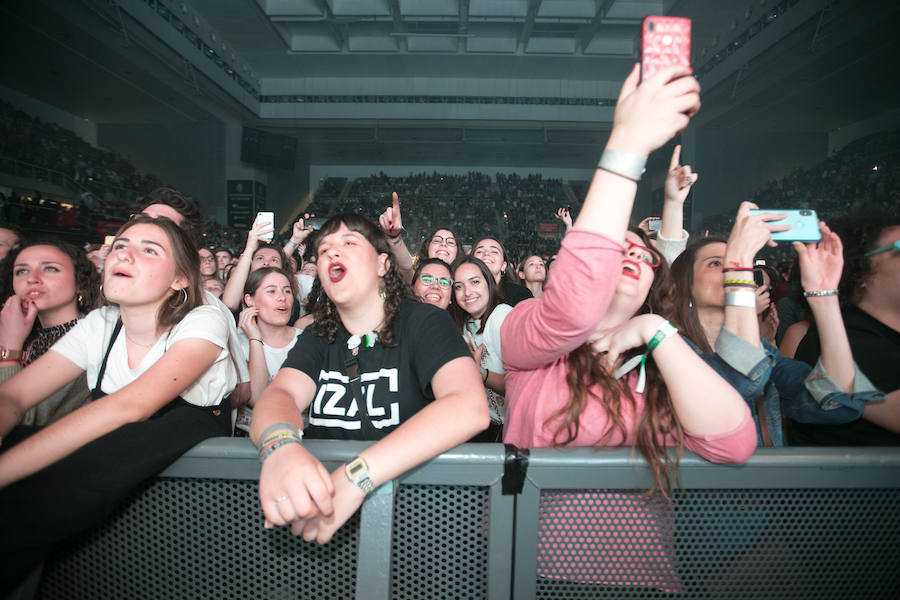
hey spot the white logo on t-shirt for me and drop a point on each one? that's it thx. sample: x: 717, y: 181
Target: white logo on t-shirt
x: 335, y: 406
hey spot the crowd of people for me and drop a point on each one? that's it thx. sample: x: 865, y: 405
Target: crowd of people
x: 383, y: 326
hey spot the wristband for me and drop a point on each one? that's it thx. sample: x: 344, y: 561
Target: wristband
x: 264, y: 454
x: 737, y: 269
x: 742, y: 299
x: 291, y: 243
x: 275, y: 427
x: 394, y: 241
x: 256, y: 340
x: 748, y: 282
x: 664, y: 332
x: 819, y: 293
x: 624, y: 164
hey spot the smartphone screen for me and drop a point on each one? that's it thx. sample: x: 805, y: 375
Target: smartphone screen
x: 269, y: 219
x: 665, y: 41
x: 654, y: 224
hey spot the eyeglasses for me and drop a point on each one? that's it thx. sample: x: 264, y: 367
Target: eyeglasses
x: 895, y: 246
x: 207, y: 259
x: 437, y: 240
x: 647, y: 255
x: 428, y: 279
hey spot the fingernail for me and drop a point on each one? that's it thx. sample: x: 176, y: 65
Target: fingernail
x: 267, y: 524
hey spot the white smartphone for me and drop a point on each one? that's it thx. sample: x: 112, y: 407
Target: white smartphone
x: 266, y: 218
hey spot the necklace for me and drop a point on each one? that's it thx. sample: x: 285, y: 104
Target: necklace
x: 138, y: 343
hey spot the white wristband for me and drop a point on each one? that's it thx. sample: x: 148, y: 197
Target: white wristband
x: 624, y: 164
x: 742, y: 299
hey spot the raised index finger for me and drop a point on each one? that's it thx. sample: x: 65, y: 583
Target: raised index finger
x: 676, y: 157
x: 396, y: 203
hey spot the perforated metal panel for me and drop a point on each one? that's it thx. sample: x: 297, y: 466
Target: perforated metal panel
x: 440, y: 543
x: 168, y: 543
x: 803, y: 543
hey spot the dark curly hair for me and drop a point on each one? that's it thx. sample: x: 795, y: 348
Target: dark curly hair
x: 658, y: 419
x: 859, y: 235
x: 327, y: 319
x: 87, y: 280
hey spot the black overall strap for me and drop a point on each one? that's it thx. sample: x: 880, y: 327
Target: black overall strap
x: 97, y: 393
x: 351, y: 369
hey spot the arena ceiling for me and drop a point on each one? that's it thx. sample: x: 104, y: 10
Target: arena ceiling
x: 493, y: 82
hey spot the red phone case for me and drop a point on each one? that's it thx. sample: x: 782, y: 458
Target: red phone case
x: 664, y: 41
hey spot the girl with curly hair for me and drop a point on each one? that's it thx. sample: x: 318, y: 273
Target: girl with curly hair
x: 52, y: 284
x: 376, y: 365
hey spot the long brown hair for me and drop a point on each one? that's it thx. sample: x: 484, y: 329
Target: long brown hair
x: 187, y: 265
x: 685, y: 317
x: 657, y: 421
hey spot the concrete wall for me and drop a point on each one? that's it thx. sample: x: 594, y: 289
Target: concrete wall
x: 187, y: 156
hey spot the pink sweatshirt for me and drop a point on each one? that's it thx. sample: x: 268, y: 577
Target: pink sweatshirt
x: 538, y: 335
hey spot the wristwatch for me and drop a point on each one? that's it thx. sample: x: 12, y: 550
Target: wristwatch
x: 357, y: 471
x: 7, y: 354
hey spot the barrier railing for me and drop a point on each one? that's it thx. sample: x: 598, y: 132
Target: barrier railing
x: 479, y: 522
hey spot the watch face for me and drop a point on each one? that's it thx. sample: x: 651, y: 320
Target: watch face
x: 356, y: 467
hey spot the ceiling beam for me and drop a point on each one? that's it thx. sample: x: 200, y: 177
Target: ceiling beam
x: 533, y: 6
x: 585, y: 37
x: 336, y: 28
x: 399, y: 25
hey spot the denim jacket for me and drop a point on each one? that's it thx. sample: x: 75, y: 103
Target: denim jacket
x: 789, y: 387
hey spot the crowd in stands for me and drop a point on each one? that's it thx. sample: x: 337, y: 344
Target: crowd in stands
x: 411, y: 341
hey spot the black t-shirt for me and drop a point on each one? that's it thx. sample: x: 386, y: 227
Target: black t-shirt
x: 513, y: 293
x: 876, y: 350
x: 395, y: 381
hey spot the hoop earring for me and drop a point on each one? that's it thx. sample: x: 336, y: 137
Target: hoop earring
x: 102, y: 296
x: 184, y: 299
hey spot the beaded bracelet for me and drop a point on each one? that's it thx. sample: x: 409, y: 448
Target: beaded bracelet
x: 819, y: 293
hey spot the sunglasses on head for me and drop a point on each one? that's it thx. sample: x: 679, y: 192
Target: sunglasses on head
x: 428, y: 279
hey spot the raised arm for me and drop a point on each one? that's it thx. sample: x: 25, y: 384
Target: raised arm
x: 391, y: 222
x: 181, y: 365
x: 677, y: 186
x: 821, y: 265
x: 749, y: 234
x: 579, y: 292
x: 234, y: 287
x: 299, y: 233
